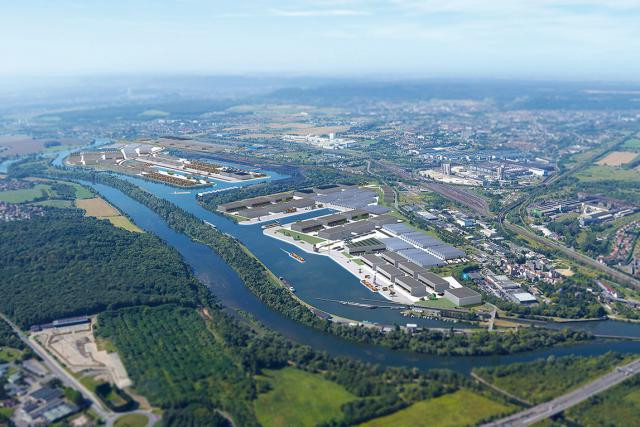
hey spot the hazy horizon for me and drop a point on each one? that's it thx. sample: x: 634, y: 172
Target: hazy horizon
x: 521, y: 39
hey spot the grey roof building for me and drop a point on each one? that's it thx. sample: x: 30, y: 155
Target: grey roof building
x: 435, y: 282
x: 421, y: 258
x: 412, y: 286
x: 392, y: 258
x: 462, y: 296
x: 389, y: 271
x: 372, y: 260
x: 364, y: 246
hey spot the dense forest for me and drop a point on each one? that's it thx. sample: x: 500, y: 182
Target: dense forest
x: 64, y: 264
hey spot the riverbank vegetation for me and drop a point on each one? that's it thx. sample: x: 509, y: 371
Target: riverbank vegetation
x: 548, y: 378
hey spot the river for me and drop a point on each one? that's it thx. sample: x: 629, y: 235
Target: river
x: 226, y: 285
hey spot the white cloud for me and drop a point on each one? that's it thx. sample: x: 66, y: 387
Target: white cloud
x: 319, y: 12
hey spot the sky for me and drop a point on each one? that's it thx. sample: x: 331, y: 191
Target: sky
x: 538, y: 39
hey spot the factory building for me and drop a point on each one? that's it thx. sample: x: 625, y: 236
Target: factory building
x: 365, y: 246
x: 372, y: 261
x: 328, y: 221
x: 389, y: 272
x: 435, y: 282
x: 421, y: 240
x: 347, y: 231
x: 392, y: 258
x: 445, y: 252
x: 411, y: 268
x: 420, y: 257
x: 395, y: 244
x: 397, y: 229
x: 347, y: 198
x: 462, y: 296
x: 412, y: 286
x: 255, y: 202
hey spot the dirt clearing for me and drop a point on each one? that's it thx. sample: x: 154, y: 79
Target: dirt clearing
x: 618, y: 158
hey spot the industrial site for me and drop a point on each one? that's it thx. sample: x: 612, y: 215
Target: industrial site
x: 386, y: 254
x: 155, y: 162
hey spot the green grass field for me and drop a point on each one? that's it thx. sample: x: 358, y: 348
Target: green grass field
x: 633, y: 144
x: 54, y: 203
x: 607, y: 173
x: 299, y: 398
x: 438, y: 303
x: 301, y: 236
x: 131, y: 420
x: 462, y: 408
x: 81, y: 192
x: 6, y: 412
x: 24, y: 195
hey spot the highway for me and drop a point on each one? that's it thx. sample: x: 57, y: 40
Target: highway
x: 566, y: 401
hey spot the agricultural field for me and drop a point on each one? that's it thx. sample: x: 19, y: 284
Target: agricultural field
x: 26, y: 194
x: 462, y: 408
x: 618, y: 158
x: 607, y: 173
x: 545, y: 379
x: 299, y: 398
x: 619, y: 406
x: 99, y: 208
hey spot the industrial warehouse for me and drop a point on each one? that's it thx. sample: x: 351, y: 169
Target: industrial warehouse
x: 386, y: 254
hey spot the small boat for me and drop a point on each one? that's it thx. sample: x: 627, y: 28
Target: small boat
x: 295, y: 256
x: 285, y: 282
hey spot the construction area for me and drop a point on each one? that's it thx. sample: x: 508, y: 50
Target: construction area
x: 75, y: 346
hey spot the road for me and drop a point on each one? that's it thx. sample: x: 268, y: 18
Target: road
x: 109, y: 417
x: 66, y: 378
x: 566, y: 401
